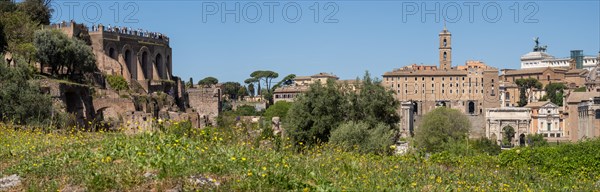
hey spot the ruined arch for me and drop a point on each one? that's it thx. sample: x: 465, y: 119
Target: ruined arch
x: 144, y: 58
x: 159, y: 64
x: 168, y: 65
x: 129, y: 61
x: 111, y: 51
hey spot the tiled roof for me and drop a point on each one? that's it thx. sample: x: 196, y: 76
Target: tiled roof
x: 576, y: 97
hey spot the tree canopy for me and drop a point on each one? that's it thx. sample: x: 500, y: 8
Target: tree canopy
x: 555, y: 92
x: 61, y: 52
x: 18, y: 33
x: 265, y: 76
x: 279, y: 109
x: 524, y: 85
x: 323, y: 108
x: 208, y: 81
x: 440, y: 128
x: 286, y: 81
x: 231, y: 89
x: 21, y: 101
x: 38, y: 10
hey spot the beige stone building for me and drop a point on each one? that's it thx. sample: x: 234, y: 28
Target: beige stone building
x: 582, y: 115
x: 470, y: 88
x: 573, y: 78
x: 140, y: 56
x: 546, y: 120
x: 144, y: 59
x: 302, y: 84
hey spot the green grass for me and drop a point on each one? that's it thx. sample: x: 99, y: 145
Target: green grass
x: 240, y: 162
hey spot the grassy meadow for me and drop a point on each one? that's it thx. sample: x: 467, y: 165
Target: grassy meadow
x: 243, y: 159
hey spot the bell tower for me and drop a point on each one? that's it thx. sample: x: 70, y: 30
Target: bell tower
x: 445, y: 49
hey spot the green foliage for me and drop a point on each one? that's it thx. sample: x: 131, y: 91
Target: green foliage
x: 242, y: 92
x: 265, y: 76
x: 525, y: 84
x: 581, y: 89
x: 279, y: 109
x: 580, y: 160
x: 316, y: 113
x: 178, y: 129
x: 286, y: 81
x: 18, y: 31
x: 38, y: 10
x: 373, y: 104
x: 554, y: 92
x: 3, y: 42
x: 251, y: 81
x: 189, y: 84
x: 60, y: 52
x: 246, y: 110
x: 536, y: 140
x: 486, y: 146
x: 21, y: 100
x: 163, y: 161
x: 361, y: 137
x: 509, y: 135
x: 231, y: 88
x: 251, y: 89
x: 117, y: 82
x: 324, y: 107
x: 207, y: 81
x: 7, y: 6
x: 439, y: 127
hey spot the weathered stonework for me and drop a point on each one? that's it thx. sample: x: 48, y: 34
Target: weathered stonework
x: 71, y: 98
x: 497, y: 119
x: 207, y: 103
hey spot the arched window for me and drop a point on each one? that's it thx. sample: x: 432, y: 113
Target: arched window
x: 111, y: 53
x: 159, y: 66
x: 445, y: 43
x: 145, y: 66
x: 130, y: 65
x: 445, y: 56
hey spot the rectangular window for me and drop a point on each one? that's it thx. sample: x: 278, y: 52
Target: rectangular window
x: 549, y: 126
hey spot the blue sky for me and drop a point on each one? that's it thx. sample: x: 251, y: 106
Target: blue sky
x: 349, y: 37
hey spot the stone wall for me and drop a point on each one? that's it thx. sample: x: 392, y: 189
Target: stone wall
x: 207, y: 103
x: 71, y: 98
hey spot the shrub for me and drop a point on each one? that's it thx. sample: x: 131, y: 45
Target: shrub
x: 315, y: 114
x: 117, y: 82
x: 279, y: 109
x: 360, y: 137
x: 440, y: 127
x: 246, y: 110
x: 21, y: 99
x: 536, y: 140
x: 485, y: 145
